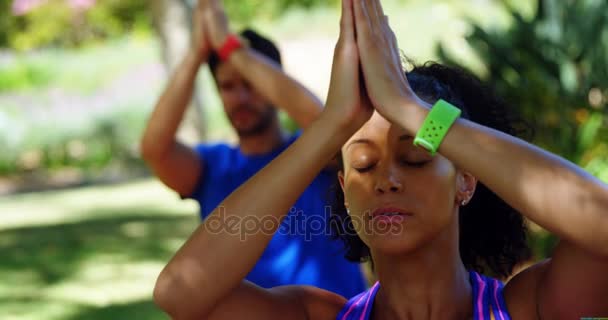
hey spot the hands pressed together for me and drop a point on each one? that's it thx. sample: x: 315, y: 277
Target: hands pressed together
x: 210, y: 28
x: 367, y: 73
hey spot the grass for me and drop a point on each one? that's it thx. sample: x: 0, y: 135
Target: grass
x: 90, y: 253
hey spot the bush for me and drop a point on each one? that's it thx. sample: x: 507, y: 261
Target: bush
x: 18, y: 76
x: 90, y: 145
x: 54, y: 23
x: 553, y: 69
x: 245, y: 11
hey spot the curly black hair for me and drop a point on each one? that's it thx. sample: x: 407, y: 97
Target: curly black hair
x: 492, y: 233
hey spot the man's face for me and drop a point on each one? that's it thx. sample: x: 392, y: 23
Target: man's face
x: 248, y: 112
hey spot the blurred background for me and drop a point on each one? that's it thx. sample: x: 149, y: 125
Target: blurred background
x: 85, y: 228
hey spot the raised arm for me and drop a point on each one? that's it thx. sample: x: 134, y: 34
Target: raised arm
x: 552, y: 192
x: 206, y: 274
x: 265, y: 75
x: 555, y: 194
x: 177, y: 165
x: 211, y: 265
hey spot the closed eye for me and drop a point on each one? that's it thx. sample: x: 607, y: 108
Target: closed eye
x: 363, y: 169
x: 415, y: 164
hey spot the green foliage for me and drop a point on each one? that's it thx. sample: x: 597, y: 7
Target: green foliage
x: 541, y: 243
x: 56, y: 24
x: 553, y: 69
x: 39, y: 135
x: 90, y: 146
x: 81, y: 71
x: 246, y: 11
x: 18, y: 76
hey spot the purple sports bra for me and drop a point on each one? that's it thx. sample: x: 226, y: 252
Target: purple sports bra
x: 488, y: 301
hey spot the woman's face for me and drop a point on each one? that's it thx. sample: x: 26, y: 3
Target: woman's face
x: 399, y: 197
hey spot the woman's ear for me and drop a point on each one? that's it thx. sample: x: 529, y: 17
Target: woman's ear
x: 465, y: 184
x: 341, y: 180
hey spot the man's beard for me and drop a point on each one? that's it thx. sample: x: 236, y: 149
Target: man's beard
x: 264, y: 121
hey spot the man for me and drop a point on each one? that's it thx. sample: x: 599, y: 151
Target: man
x: 251, y: 83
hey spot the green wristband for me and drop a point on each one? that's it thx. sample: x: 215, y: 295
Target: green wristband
x: 436, y: 126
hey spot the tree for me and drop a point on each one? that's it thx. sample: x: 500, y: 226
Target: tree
x: 553, y: 67
x: 172, y: 22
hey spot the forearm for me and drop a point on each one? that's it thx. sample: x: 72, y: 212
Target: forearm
x: 197, y: 278
x: 162, y: 126
x: 547, y: 189
x: 278, y: 87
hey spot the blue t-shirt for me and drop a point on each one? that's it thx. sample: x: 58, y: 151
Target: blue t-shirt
x: 302, y: 250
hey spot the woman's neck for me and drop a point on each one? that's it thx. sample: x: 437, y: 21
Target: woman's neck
x: 431, y: 283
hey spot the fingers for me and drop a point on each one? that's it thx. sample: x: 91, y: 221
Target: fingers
x: 370, y: 11
x: 379, y: 10
x: 214, y: 6
x: 215, y: 13
x: 203, y: 5
x: 376, y: 19
x: 347, y: 25
x: 200, y: 8
x: 371, y: 23
x: 391, y: 39
x: 362, y: 20
x: 200, y: 4
x: 198, y: 21
x: 380, y: 20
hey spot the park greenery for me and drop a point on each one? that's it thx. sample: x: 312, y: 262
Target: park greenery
x: 94, y: 252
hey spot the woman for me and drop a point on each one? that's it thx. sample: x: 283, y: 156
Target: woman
x: 405, y: 206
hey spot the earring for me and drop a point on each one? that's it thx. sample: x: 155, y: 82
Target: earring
x: 463, y: 202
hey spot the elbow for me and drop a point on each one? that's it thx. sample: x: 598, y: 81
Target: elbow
x: 146, y: 149
x: 150, y: 151
x: 176, y: 298
x: 162, y: 294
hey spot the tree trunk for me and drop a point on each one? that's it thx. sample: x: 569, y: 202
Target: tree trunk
x: 172, y: 22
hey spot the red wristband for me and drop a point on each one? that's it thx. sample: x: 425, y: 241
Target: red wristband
x: 231, y: 44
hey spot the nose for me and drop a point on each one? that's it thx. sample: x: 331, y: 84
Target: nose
x: 388, y: 181
x: 243, y: 95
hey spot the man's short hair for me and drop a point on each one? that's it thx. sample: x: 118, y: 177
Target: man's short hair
x: 258, y: 43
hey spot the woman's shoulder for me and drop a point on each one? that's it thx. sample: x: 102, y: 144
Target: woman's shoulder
x: 249, y: 301
x: 520, y: 292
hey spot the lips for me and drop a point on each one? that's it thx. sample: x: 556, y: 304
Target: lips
x: 243, y: 110
x: 242, y: 114
x: 390, y: 214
